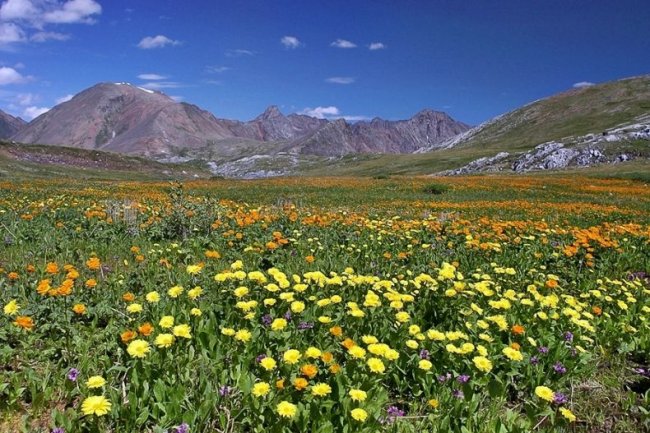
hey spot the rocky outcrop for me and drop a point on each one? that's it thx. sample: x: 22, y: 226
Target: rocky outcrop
x: 485, y: 164
x: 554, y: 155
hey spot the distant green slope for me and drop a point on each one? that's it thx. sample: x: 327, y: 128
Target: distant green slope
x: 40, y: 161
x: 576, y: 112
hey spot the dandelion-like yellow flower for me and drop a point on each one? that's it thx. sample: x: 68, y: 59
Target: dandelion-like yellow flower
x: 166, y: 322
x: 359, y: 414
x: 96, y: 405
x: 134, y: 308
x: 357, y: 394
x: 512, y: 354
x: 243, y: 335
x: 138, y: 348
x: 260, y: 389
x: 164, y: 341
x: 11, y: 308
x: 425, y: 365
x: 152, y: 297
x: 376, y: 365
x: 175, y: 291
x: 95, y: 382
x: 182, y: 331
x: 321, y: 390
x: 268, y: 363
x: 482, y: 363
x: 566, y: 413
x: 286, y: 409
x: 291, y: 356
x: 279, y: 324
x: 545, y: 393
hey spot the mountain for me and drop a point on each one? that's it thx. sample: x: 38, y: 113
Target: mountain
x: 426, y: 129
x: 120, y: 117
x: 9, y: 125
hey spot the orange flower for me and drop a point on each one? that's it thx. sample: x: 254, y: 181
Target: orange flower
x: 551, y: 284
x: 327, y: 357
x: 146, y: 329
x: 348, y: 343
x: 43, y: 287
x: 336, y: 331
x: 13, y: 276
x: 299, y: 383
x: 30, y: 268
x: 515, y: 346
x: 79, y: 308
x: 135, y: 249
x: 139, y: 258
x: 310, y: 259
x: 93, y: 263
x: 52, y: 268
x: 127, y: 336
x: 24, y: 322
x: 72, y: 274
x: 309, y: 370
x: 518, y: 329
x: 91, y: 283
x: 211, y: 254
x: 279, y: 384
x: 66, y: 288
x: 596, y: 310
x: 335, y: 368
x: 271, y: 245
x: 128, y: 297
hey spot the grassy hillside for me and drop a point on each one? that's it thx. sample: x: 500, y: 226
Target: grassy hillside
x: 39, y: 161
x: 572, y: 113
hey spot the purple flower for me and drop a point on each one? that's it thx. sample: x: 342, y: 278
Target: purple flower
x: 444, y: 377
x: 58, y: 430
x: 559, y: 398
x: 424, y: 354
x: 260, y: 357
x: 394, y: 412
x: 534, y: 360
x: 543, y: 349
x: 73, y: 373
x: 183, y: 428
x: 559, y: 368
x: 225, y: 390
x: 267, y: 320
x: 568, y: 336
x: 458, y: 393
x: 287, y: 315
x: 463, y: 378
x: 305, y: 325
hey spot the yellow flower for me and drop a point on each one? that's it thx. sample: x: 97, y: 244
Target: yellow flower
x: 286, y: 409
x: 376, y: 365
x: 268, y: 363
x: 402, y: 317
x: 182, y: 331
x: 96, y: 405
x: 11, y: 308
x: 193, y: 269
x: 291, y: 356
x: 175, y: 291
x: 278, y: 324
x: 195, y: 312
x: 425, y: 365
x: 164, y: 340
x: 434, y: 403
x: 138, y: 348
x: 321, y: 390
x: 512, y: 354
x: 166, y: 322
x: 260, y: 389
x: 357, y: 352
x: 194, y: 293
x: 313, y: 352
x: 566, y: 413
x: 134, y: 308
x: 545, y: 393
x: 243, y: 335
x: 359, y: 414
x: 297, y: 307
x: 152, y: 297
x: 482, y: 363
x: 95, y: 382
x: 228, y: 332
x: 240, y: 292
x: 357, y: 394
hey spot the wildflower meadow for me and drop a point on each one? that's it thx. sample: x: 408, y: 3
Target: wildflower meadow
x: 477, y: 304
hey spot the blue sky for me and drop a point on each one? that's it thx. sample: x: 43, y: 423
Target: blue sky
x: 352, y: 59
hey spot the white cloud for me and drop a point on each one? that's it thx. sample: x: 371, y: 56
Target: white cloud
x: 238, y: 52
x: 49, y: 36
x: 33, y: 112
x: 25, y: 99
x: 11, y: 33
x: 177, y: 98
x: 63, y: 99
x: 157, y: 85
x: 342, y: 43
x: 18, y: 10
x: 330, y: 112
x: 582, y: 84
x: 74, y: 11
x: 11, y: 76
x: 376, y: 46
x: 158, y: 41
x: 290, y: 42
x: 152, y: 77
x: 216, y: 69
x: 340, y: 80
